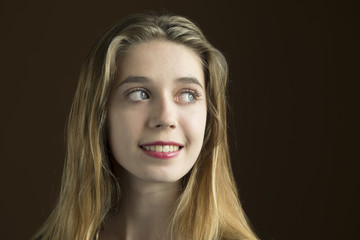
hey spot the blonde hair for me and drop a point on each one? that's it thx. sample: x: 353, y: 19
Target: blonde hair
x: 209, y: 207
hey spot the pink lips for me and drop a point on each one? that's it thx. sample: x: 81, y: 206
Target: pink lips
x: 161, y: 155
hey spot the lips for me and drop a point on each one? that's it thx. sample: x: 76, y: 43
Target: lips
x: 160, y: 149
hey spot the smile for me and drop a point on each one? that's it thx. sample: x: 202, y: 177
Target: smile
x: 161, y: 148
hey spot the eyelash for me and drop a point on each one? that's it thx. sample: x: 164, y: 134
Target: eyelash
x: 136, y: 90
x: 194, y: 92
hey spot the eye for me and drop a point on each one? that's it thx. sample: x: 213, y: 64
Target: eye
x: 189, y: 96
x: 138, y: 95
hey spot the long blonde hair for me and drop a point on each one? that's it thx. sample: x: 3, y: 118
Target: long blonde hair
x: 208, y: 207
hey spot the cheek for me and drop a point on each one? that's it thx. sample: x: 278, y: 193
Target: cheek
x: 124, y: 128
x: 194, y: 125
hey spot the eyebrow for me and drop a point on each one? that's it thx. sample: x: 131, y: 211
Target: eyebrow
x: 189, y: 80
x: 134, y: 79
x: 141, y: 79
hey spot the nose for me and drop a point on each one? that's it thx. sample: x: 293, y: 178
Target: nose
x: 163, y: 113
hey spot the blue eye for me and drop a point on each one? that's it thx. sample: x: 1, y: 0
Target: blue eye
x: 189, y: 96
x: 138, y: 95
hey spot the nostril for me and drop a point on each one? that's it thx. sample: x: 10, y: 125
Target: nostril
x: 165, y: 126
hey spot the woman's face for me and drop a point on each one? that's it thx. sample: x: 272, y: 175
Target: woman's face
x: 157, y: 111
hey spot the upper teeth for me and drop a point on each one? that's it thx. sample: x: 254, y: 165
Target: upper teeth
x: 162, y: 148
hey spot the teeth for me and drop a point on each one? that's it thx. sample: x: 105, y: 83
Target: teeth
x: 160, y: 148
x: 166, y: 148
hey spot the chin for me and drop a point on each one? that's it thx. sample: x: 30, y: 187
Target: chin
x: 161, y: 175
x: 162, y: 178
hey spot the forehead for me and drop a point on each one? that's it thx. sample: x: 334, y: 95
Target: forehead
x: 160, y: 59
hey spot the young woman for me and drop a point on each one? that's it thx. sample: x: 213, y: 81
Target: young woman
x: 147, y: 152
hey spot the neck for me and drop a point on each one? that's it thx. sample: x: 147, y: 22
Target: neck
x: 144, y: 210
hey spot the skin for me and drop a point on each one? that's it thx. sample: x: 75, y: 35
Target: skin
x: 164, y: 102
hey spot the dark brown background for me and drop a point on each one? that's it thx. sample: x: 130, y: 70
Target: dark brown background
x: 292, y: 64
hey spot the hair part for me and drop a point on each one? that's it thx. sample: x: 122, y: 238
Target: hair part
x: 209, y: 207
